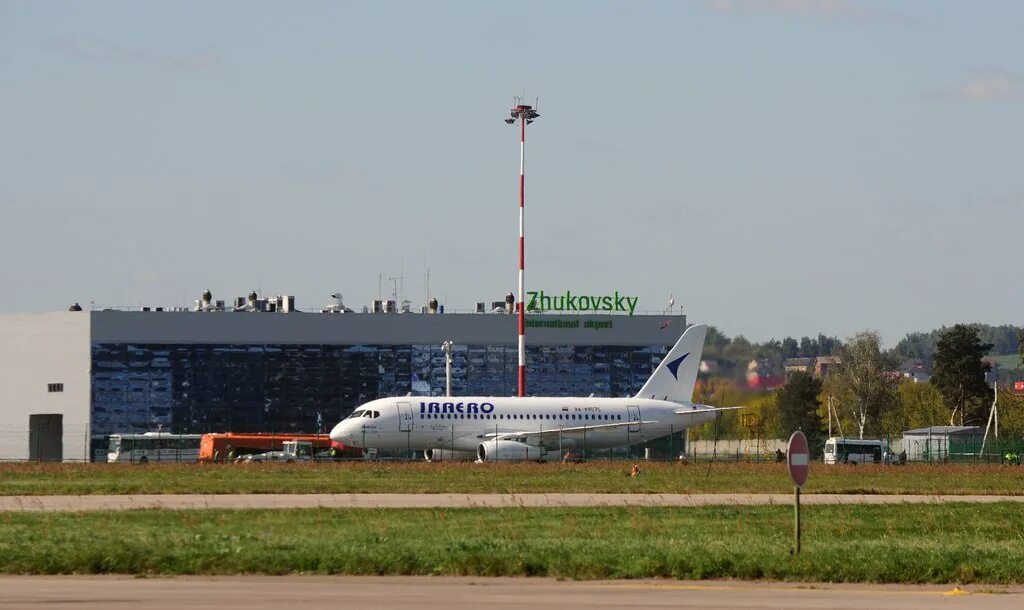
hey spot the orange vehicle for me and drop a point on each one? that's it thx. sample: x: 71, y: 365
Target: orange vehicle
x: 224, y: 446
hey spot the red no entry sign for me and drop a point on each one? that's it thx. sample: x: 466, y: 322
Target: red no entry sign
x: 798, y: 458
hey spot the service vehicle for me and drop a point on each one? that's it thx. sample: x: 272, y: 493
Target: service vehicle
x: 153, y: 447
x: 291, y: 451
x: 854, y: 450
x: 229, y: 446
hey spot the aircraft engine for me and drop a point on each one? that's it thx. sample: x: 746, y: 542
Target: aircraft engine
x: 494, y: 451
x: 440, y: 455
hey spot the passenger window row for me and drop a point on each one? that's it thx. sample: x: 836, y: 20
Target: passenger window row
x: 548, y: 416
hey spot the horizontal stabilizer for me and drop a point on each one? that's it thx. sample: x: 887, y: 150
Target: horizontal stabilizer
x: 705, y: 410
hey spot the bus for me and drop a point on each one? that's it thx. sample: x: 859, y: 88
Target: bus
x: 854, y: 451
x: 153, y: 447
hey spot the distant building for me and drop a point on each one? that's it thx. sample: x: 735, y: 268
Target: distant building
x: 940, y: 443
x: 914, y: 370
x: 798, y: 365
x: 918, y: 376
x: 819, y: 367
x: 823, y: 365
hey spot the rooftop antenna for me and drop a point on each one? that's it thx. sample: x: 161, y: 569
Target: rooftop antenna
x: 524, y: 115
x: 396, y: 285
x: 426, y: 283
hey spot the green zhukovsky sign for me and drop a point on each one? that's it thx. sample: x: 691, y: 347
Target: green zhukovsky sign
x: 540, y: 302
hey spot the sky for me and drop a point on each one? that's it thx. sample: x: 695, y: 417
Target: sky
x: 779, y: 167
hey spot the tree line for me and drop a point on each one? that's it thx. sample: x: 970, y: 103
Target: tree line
x: 1005, y: 339
x: 734, y: 354
x: 868, y: 398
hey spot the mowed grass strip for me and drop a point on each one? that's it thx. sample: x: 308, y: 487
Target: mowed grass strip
x: 964, y: 543
x: 462, y: 477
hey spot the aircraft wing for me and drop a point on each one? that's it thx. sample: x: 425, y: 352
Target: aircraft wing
x: 535, y: 437
x: 696, y: 411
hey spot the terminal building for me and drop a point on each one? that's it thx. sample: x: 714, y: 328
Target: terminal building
x: 70, y: 379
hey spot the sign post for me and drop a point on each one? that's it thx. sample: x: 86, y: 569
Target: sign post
x: 798, y: 460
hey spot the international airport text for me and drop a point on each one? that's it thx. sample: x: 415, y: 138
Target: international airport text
x: 560, y: 323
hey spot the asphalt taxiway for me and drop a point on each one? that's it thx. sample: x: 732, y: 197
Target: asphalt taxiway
x: 456, y: 593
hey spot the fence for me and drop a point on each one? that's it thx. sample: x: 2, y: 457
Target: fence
x: 46, y: 443
x: 973, y: 449
x: 756, y: 450
x: 78, y: 445
x: 75, y: 444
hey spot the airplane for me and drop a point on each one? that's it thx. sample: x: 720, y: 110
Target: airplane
x: 511, y: 428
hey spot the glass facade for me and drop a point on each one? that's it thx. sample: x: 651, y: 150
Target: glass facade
x: 194, y: 388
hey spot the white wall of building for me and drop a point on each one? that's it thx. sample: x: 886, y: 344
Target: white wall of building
x: 736, y: 448
x: 747, y: 448
x: 37, y: 350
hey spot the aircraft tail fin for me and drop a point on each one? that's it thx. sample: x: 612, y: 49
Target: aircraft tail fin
x: 676, y: 375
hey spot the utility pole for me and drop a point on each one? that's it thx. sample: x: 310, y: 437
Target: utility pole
x: 833, y: 411
x: 447, y: 347
x: 993, y: 416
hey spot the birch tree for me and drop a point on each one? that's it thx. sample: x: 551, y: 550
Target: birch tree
x: 864, y: 382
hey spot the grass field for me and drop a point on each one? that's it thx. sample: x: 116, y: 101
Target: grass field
x: 456, y: 477
x: 964, y: 543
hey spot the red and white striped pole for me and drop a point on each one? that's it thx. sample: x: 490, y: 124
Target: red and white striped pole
x: 525, y: 115
x: 522, y: 256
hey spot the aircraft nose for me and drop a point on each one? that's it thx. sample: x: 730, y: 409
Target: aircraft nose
x: 338, y: 433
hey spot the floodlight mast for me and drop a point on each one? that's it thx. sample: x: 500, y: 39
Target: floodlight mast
x: 524, y: 115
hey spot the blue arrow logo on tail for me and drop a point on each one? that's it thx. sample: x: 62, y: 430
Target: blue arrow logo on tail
x: 673, y: 366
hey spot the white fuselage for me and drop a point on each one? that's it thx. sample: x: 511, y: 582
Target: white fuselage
x: 462, y: 423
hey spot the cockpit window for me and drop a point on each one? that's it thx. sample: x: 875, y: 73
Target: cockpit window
x: 376, y: 414
x: 355, y: 414
x: 367, y: 413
